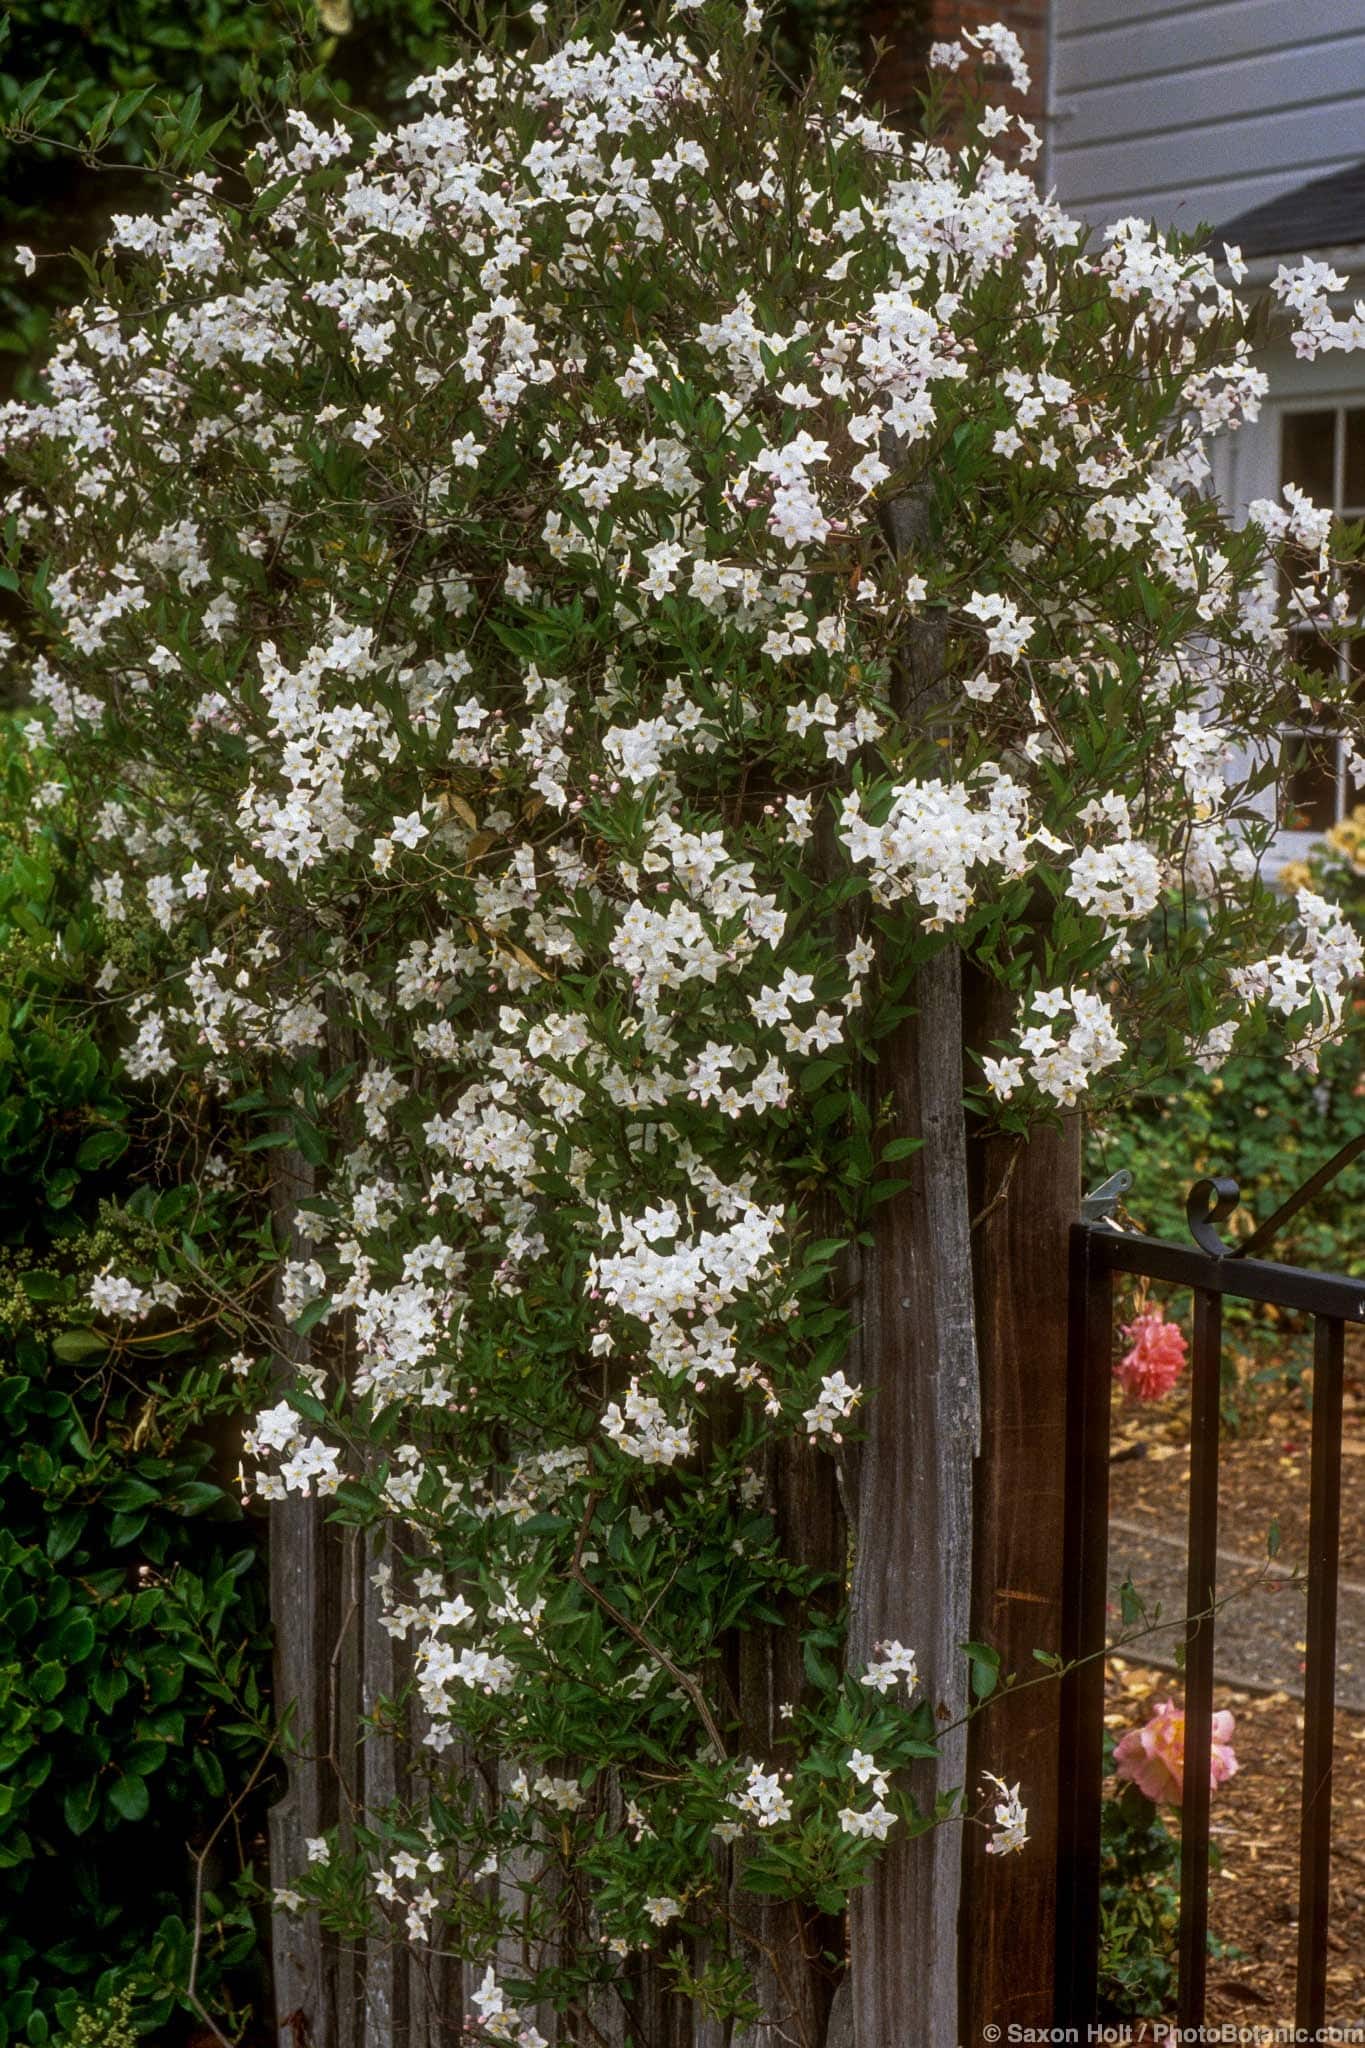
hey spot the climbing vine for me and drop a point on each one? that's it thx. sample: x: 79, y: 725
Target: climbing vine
x: 529, y: 754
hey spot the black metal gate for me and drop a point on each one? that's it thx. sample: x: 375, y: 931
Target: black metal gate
x: 1212, y: 1270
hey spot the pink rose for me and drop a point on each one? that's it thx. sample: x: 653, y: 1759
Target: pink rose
x: 1157, y: 1357
x: 1153, y: 1758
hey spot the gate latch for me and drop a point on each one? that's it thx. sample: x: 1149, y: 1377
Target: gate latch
x: 1101, y: 1204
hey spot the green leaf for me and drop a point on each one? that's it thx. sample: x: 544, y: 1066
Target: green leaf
x: 64, y: 1533
x: 107, y: 1688
x: 130, y: 1798
x: 101, y: 1148
x: 819, y: 1670
x: 130, y: 1492
x: 74, y: 1636
x: 73, y: 1345
x: 140, y: 1759
x: 311, y: 1316
x: 985, y: 1669
x: 210, y: 1771
x: 47, y: 1681
x: 43, y: 1286
x: 196, y: 1495
x: 80, y: 1805
x: 310, y: 1141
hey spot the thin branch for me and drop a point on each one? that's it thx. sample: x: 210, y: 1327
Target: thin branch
x: 200, y: 1858
x: 1002, y: 1192
x: 637, y: 1635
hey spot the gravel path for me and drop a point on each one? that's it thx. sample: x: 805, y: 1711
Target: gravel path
x: 1260, y: 1632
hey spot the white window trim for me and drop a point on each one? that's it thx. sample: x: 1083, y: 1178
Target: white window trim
x: 1246, y: 466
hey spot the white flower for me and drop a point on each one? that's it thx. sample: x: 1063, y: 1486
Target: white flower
x: 874, y: 1823
x: 1011, y: 1819
x: 409, y: 831
x: 763, y: 1797
x: 1002, y: 1076
x: 837, y: 1399
x: 1008, y: 630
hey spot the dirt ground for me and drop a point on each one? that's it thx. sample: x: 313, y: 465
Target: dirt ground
x: 1263, y: 1480
x: 1253, y: 1901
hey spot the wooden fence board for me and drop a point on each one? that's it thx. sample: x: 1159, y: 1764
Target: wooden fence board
x: 912, y: 1567
x: 1027, y: 1195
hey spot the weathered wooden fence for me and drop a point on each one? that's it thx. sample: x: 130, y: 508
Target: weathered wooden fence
x: 950, y: 1511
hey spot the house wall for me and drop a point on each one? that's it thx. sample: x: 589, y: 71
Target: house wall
x: 1190, y: 113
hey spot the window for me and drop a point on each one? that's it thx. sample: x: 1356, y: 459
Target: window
x: 1323, y: 453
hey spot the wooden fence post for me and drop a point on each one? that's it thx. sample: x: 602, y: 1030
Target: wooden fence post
x: 793, y: 1982
x: 299, y: 1615
x: 917, y: 1355
x: 912, y: 1565
x: 1025, y: 1195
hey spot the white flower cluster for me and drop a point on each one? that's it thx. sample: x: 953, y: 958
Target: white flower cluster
x: 891, y: 1663
x: 938, y: 839
x: 305, y: 1465
x: 642, y: 1429
x: 406, y: 1868
x: 836, y: 1402
x: 112, y: 1294
x: 873, y: 1822
x: 1119, y: 882
x: 763, y: 1797
x: 499, y: 2021
x: 1060, y: 1067
x: 1315, y: 976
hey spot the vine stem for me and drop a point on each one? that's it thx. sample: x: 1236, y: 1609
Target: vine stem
x: 637, y: 1635
x: 200, y: 1859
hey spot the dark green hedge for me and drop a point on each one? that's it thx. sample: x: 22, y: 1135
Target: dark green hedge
x: 134, y: 1745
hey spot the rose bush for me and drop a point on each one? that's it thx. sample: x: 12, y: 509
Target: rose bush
x: 530, y: 748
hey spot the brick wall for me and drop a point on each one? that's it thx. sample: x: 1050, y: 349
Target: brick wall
x: 909, y: 26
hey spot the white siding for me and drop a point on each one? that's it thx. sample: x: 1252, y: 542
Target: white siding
x: 1192, y: 113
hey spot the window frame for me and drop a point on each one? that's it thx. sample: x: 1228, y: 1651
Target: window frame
x: 1246, y: 466
x: 1339, y: 407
